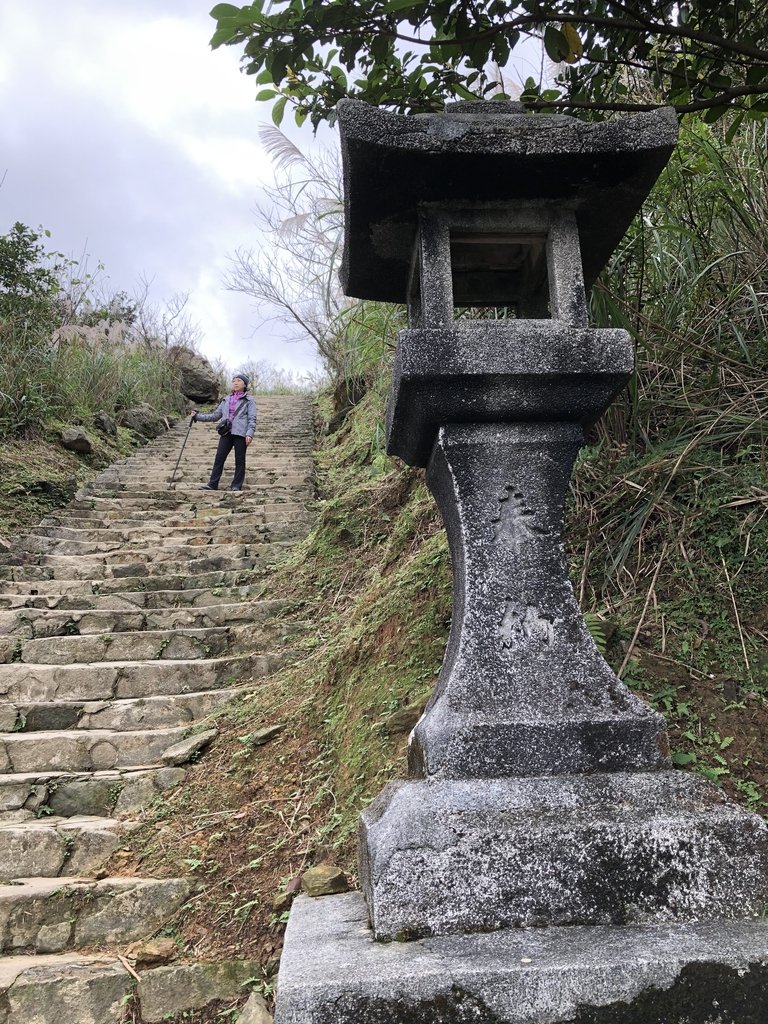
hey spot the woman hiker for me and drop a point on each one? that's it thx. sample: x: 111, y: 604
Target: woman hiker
x: 239, y: 411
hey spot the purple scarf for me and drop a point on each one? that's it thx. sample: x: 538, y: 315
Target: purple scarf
x: 234, y: 398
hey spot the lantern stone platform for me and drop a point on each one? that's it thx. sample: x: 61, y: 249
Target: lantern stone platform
x: 332, y: 972
x: 542, y: 864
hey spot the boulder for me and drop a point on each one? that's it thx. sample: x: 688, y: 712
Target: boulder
x: 104, y: 422
x: 75, y: 439
x: 199, y: 380
x: 144, y: 420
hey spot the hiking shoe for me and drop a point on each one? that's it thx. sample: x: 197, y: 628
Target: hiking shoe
x: 235, y: 488
x: 206, y: 487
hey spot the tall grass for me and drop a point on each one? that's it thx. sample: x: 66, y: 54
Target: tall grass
x: 42, y: 381
x: 676, y: 476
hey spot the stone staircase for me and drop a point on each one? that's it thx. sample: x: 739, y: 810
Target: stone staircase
x: 126, y: 618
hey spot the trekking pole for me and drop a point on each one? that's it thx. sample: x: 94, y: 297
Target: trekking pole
x: 183, y: 446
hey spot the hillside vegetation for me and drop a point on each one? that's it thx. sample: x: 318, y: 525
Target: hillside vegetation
x: 71, y: 357
x: 668, y: 543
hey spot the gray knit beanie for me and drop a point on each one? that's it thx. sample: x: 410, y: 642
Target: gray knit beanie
x: 243, y: 377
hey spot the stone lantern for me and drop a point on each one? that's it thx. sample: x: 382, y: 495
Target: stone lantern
x: 540, y: 814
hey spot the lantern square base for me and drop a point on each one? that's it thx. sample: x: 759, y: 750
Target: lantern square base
x: 441, y: 857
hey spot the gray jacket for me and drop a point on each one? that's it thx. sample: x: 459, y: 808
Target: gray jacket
x: 244, y: 420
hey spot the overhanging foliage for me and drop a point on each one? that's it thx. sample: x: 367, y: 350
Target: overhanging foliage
x: 413, y: 55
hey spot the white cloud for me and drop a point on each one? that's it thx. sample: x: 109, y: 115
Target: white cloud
x: 127, y: 137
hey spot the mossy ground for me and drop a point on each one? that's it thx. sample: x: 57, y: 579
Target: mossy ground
x: 38, y: 475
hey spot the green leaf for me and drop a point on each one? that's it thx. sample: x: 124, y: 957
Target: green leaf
x: 556, y: 44
x: 715, y: 113
x: 266, y: 94
x: 225, y: 11
x: 731, y: 133
x: 681, y: 758
x: 757, y: 73
x: 278, y: 111
x: 465, y: 94
x: 223, y: 35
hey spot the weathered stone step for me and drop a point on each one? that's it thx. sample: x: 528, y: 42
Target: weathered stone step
x: 70, y: 568
x: 210, y: 518
x: 43, y: 586
x: 250, y: 495
x: 147, y: 645
x: 127, y: 600
x: 143, y: 541
x: 199, y: 503
x: 85, y: 750
x: 162, y: 712
x: 22, y: 682
x: 161, y: 468
x: 117, y: 547
x: 111, y: 793
x: 158, y: 479
x: 39, y: 989
x: 115, y: 554
x: 47, y: 916
x: 56, y: 846
x: 34, y: 623
x: 258, y: 490
x: 243, y: 528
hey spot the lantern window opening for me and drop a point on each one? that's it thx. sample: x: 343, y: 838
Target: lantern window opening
x: 495, y: 274
x: 492, y: 263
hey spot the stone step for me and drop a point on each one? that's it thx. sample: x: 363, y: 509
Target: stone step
x: 224, y: 499
x: 46, y: 916
x: 182, y: 517
x: 146, y: 645
x: 130, y: 599
x: 49, y: 585
x: 111, y: 793
x: 198, y: 503
x: 22, y: 682
x: 125, y: 509
x: 95, y: 542
x: 85, y: 750
x: 162, y: 712
x: 243, y: 527
x: 162, y: 467
x: 55, y: 846
x: 33, y: 623
x: 140, y: 572
x: 116, y: 554
x: 36, y: 989
x: 193, y: 485
x: 158, y: 479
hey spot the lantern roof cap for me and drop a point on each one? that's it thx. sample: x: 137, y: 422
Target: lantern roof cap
x: 490, y: 154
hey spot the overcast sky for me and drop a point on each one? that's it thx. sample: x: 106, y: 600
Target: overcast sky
x: 125, y: 136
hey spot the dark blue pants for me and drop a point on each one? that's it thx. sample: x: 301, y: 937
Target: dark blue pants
x: 226, y: 444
